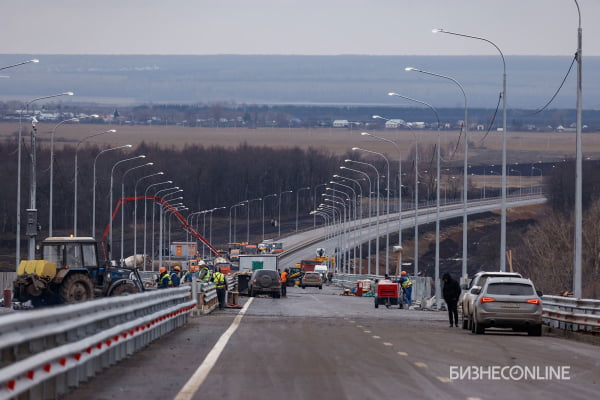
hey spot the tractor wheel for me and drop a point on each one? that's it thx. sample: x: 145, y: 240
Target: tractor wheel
x: 43, y: 301
x: 125, y: 289
x: 75, y: 288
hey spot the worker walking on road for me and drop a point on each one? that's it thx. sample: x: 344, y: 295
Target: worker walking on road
x: 406, y: 284
x: 284, y: 276
x: 164, y: 279
x: 219, y: 280
x: 451, y: 293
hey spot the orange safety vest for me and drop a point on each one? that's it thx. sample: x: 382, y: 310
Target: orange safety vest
x: 284, y: 277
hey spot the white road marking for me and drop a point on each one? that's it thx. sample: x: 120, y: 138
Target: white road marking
x: 421, y: 365
x: 194, y: 383
x: 376, y: 337
x: 387, y: 344
x: 444, y: 379
x: 403, y: 353
x: 367, y: 331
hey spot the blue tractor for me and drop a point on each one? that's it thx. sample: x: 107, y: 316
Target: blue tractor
x: 70, y: 272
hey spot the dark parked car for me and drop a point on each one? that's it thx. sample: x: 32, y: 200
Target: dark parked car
x: 264, y: 281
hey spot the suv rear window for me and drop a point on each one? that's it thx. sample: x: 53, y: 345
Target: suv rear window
x: 511, y: 289
x: 258, y: 273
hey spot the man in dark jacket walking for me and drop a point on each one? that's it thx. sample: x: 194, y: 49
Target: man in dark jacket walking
x: 451, y: 294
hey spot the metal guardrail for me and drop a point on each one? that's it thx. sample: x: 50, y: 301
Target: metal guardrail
x: 44, y: 352
x: 571, y: 314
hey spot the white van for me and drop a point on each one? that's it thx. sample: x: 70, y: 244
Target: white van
x: 322, y: 269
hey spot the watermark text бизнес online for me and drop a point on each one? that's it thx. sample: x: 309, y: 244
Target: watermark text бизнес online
x: 509, y: 372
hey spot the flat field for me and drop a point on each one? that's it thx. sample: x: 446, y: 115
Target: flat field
x: 523, y: 147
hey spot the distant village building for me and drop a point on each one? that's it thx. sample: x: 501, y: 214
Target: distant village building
x: 561, y: 128
x: 417, y: 125
x: 341, y: 123
x: 394, y: 123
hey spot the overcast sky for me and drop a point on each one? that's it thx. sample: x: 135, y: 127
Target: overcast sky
x: 324, y: 27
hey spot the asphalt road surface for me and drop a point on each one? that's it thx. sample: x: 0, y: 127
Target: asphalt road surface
x: 316, y: 344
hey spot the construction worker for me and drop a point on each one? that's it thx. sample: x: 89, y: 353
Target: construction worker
x: 284, y: 276
x: 204, y: 274
x: 406, y: 284
x: 164, y: 279
x: 192, y: 272
x: 185, y: 276
x: 175, y: 278
x: 219, y: 279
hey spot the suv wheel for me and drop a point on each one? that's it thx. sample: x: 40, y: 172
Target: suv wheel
x: 535, y: 331
x: 478, y: 328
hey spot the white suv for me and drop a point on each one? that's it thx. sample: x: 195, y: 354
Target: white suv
x: 469, y: 296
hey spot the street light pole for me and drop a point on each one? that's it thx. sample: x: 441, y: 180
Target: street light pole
x: 171, y: 190
x: 279, y: 217
x: 19, y: 152
x: 465, y: 167
x: 146, y: 216
x: 369, y: 215
x: 377, y: 211
x: 514, y: 170
x: 94, y: 185
x: 437, y: 202
x: 297, y: 193
x: 263, y: 212
x: 504, y: 135
x: 75, y: 178
x: 353, y: 231
x: 50, y: 200
x: 315, y: 203
x: 210, y: 222
x: 230, y: 209
x: 360, y: 213
x: 123, y: 205
x: 110, y: 210
x: 35, y: 61
x: 135, y: 209
x: 248, y: 219
x: 387, y: 231
x: 399, y: 182
x: 577, y: 259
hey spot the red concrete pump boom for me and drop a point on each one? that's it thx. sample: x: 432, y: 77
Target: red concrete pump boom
x: 160, y: 200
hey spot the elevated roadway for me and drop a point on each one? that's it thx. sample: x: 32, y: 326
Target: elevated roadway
x: 316, y: 344
x: 303, y: 244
